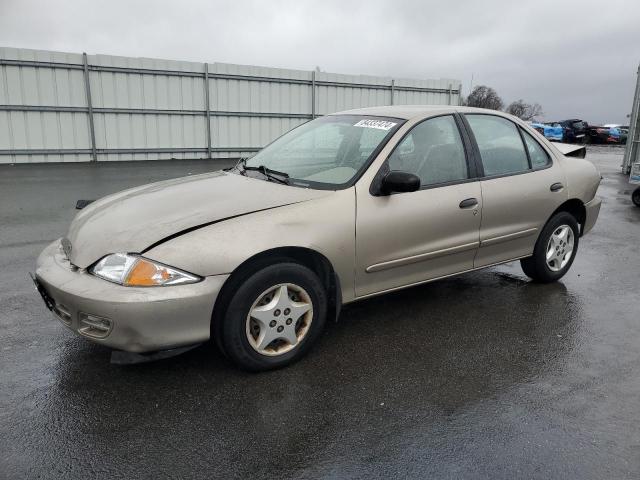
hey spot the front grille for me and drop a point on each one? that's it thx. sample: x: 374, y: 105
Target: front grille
x: 94, y: 326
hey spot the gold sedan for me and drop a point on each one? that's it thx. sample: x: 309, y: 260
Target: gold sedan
x: 344, y: 207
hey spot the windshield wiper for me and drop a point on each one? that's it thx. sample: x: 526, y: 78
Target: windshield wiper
x: 273, y: 175
x: 238, y: 166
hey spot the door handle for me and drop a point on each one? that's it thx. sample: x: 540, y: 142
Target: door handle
x: 469, y: 203
x: 556, y: 187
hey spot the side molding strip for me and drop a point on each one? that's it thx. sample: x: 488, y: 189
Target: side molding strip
x: 506, y: 238
x: 421, y: 257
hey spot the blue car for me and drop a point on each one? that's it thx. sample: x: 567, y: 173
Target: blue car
x: 553, y: 133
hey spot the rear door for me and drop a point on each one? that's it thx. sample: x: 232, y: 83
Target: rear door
x: 521, y: 188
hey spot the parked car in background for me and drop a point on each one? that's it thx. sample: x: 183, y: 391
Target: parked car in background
x: 554, y: 133
x: 619, y: 132
x: 624, y: 134
x: 609, y: 134
x: 574, y: 130
x: 339, y: 209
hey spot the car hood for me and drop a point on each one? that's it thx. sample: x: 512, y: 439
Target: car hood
x: 134, y: 220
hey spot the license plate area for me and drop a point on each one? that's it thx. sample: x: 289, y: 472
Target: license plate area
x: 59, y: 310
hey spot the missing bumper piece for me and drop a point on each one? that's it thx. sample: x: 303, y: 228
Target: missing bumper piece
x: 119, y: 357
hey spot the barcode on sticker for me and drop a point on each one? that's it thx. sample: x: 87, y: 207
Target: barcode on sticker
x: 379, y: 124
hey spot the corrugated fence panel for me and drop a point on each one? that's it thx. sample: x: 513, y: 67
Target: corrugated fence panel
x: 149, y: 131
x: 23, y: 85
x: 139, y: 86
x: 332, y: 99
x: 251, y: 132
x: 43, y: 131
x: 146, y: 109
x: 257, y: 89
x: 256, y: 96
x: 133, y: 90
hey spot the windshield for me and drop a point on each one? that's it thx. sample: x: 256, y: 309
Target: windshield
x: 329, y: 152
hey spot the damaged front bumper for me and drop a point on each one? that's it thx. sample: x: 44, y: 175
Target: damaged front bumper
x: 133, y: 319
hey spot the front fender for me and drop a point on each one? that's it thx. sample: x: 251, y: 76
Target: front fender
x: 326, y: 225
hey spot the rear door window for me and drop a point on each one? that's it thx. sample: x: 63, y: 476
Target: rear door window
x: 539, y: 157
x: 500, y: 145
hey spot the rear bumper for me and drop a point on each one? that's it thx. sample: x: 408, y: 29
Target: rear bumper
x: 592, y: 210
x: 129, y: 318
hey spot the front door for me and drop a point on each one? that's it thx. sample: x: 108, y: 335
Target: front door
x: 407, y: 238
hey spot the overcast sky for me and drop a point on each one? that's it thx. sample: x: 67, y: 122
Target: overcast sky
x: 576, y: 58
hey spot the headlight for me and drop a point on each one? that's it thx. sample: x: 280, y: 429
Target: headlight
x: 136, y: 271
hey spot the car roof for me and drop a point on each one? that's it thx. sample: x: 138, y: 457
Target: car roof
x: 408, y: 112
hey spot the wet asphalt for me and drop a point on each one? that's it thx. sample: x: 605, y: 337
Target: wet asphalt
x: 480, y: 376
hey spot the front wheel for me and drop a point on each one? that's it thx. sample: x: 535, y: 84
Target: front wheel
x: 274, y: 317
x: 555, y: 249
x: 635, y: 197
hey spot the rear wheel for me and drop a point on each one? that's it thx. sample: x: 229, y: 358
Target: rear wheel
x: 274, y: 317
x: 555, y: 249
x: 635, y: 197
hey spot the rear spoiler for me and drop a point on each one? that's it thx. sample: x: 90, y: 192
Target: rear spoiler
x: 569, y: 150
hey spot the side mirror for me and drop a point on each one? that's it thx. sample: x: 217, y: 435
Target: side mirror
x: 396, y: 181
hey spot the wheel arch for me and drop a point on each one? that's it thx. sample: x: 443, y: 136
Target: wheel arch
x: 575, y: 207
x: 312, y: 259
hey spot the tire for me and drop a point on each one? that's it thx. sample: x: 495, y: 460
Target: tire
x: 635, y: 197
x: 274, y: 313
x: 537, y: 267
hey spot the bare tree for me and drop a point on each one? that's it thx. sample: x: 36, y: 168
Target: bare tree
x: 524, y: 111
x: 484, y: 97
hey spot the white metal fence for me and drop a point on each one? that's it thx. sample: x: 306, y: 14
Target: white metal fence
x: 68, y: 107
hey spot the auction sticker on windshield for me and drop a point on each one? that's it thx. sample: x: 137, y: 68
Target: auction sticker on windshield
x: 379, y: 124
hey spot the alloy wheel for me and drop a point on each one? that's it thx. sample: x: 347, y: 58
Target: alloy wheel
x: 560, y: 248
x: 279, y: 319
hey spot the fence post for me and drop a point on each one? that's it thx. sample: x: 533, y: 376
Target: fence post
x: 207, y: 108
x: 87, y: 90
x: 313, y: 94
x: 393, y: 90
x: 450, y: 94
x: 633, y: 137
